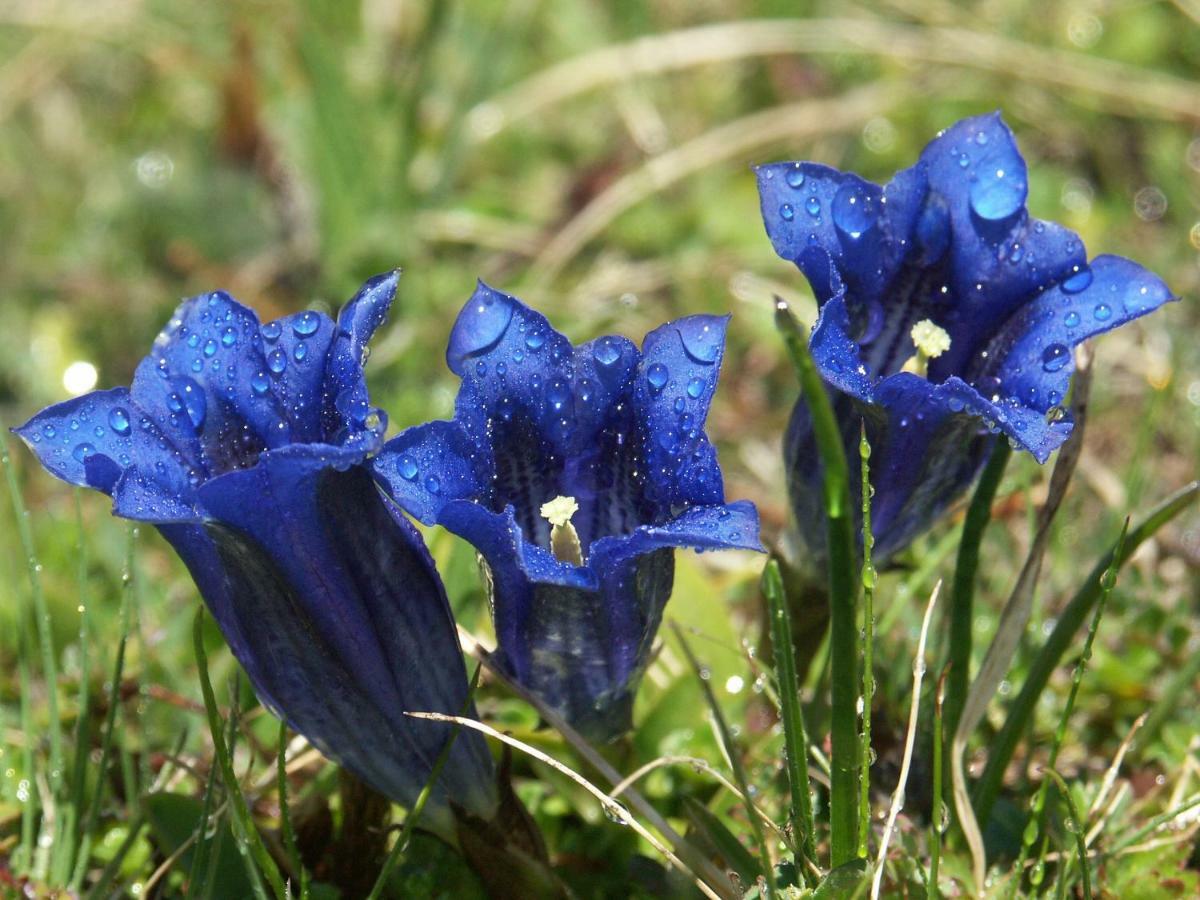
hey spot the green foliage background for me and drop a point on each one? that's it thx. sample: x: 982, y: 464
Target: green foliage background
x: 593, y: 158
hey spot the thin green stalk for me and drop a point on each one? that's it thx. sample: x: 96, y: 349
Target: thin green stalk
x: 110, y: 718
x: 44, y: 624
x: 101, y: 888
x: 795, y: 738
x: 285, y: 815
x: 1152, y: 826
x: 1069, y: 621
x: 1075, y: 826
x: 940, y: 813
x: 243, y: 823
x: 29, y: 800
x: 200, y: 854
x: 868, y: 650
x: 735, y: 762
x: 396, y: 854
x: 843, y: 595
x: 65, y: 860
x: 962, y: 595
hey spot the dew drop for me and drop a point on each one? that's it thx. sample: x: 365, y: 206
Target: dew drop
x: 83, y: 451
x: 210, y: 348
x: 657, y: 375
x: 813, y: 206
x: 407, y: 467
x: 300, y: 351
x: 795, y: 177
x: 479, y: 326
x: 271, y: 332
x: 432, y: 484
x: 1102, y: 312
x: 118, y: 421
x: 228, y: 336
x: 786, y: 212
x: 260, y: 382
x: 703, y: 339
x: 306, y: 323
x: 535, y: 340
x: 853, y: 210
x: 997, y: 192
x: 695, y: 387
x: 1078, y: 281
x: 1054, y: 357
x: 277, y: 361
x: 1072, y: 319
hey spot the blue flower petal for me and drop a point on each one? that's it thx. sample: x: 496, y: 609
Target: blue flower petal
x: 362, y: 580
x: 671, y: 396
x: 427, y: 466
x: 86, y: 441
x: 346, y: 402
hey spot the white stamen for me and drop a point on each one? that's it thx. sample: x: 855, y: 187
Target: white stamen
x: 564, y: 540
x: 931, y: 340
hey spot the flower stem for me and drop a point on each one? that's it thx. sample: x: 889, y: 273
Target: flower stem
x: 868, y: 653
x: 843, y: 595
x: 794, y: 735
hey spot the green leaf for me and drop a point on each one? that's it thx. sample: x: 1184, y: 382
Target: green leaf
x: 174, y: 819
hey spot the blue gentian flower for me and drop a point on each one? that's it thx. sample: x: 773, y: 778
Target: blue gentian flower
x: 244, y: 444
x: 574, y: 471
x: 948, y: 316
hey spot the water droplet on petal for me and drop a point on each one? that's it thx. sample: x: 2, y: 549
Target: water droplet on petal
x: 83, y: 451
x: 786, y: 212
x: 306, y: 323
x: 118, y: 421
x: 1102, y: 312
x: 300, y: 351
x: 271, y: 332
x: 228, y: 336
x: 260, y: 382
x: 1078, y: 281
x: 703, y: 338
x: 695, y: 387
x: 853, y: 210
x: 535, y: 340
x: 1054, y: 357
x: 996, y: 192
x: 277, y: 361
x: 1072, y: 319
x: 407, y: 467
x: 795, y: 177
x: 606, y: 351
x: 432, y: 484
x: 210, y: 347
x: 479, y: 326
x: 813, y: 206
x: 657, y: 375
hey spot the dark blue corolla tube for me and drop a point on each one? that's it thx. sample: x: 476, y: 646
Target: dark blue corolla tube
x: 948, y: 318
x: 245, y: 445
x: 574, y: 471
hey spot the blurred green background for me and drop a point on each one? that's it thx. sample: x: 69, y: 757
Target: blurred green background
x: 593, y: 158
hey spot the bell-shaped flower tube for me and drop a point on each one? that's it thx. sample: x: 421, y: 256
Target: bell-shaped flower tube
x: 948, y: 317
x: 245, y: 445
x: 574, y: 471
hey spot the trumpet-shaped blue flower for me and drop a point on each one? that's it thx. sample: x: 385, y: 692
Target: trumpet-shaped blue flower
x: 948, y: 316
x: 244, y: 445
x: 574, y: 471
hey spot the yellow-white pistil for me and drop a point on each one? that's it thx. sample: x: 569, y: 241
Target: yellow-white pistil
x: 931, y: 341
x: 564, y: 540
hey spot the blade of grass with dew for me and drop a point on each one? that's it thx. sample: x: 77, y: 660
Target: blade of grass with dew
x: 396, y: 854
x: 112, y: 868
x: 1075, y: 826
x: 795, y: 737
x: 909, y: 742
x: 843, y: 595
x: 241, y: 813
x: 1152, y: 826
x: 868, y: 649
x: 962, y: 591
x: 65, y: 858
x: 939, y: 812
x: 45, y: 633
x: 285, y: 815
x: 1107, y: 582
x: 204, y: 838
x: 735, y: 761
x: 92, y: 818
x: 1069, y: 621
x: 1014, y: 618
x: 614, y: 810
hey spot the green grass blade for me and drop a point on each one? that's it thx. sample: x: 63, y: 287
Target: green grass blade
x: 843, y: 595
x: 110, y: 871
x: 962, y: 595
x: 110, y: 718
x: 203, y: 841
x: 795, y: 737
x: 735, y: 761
x: 1048, y: 657
x: 1076, y: 827
x: 243, y: 823
x: 396, y: 854
x: 285, y: 815
x: 940, y: 813
x: 868, y: 651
